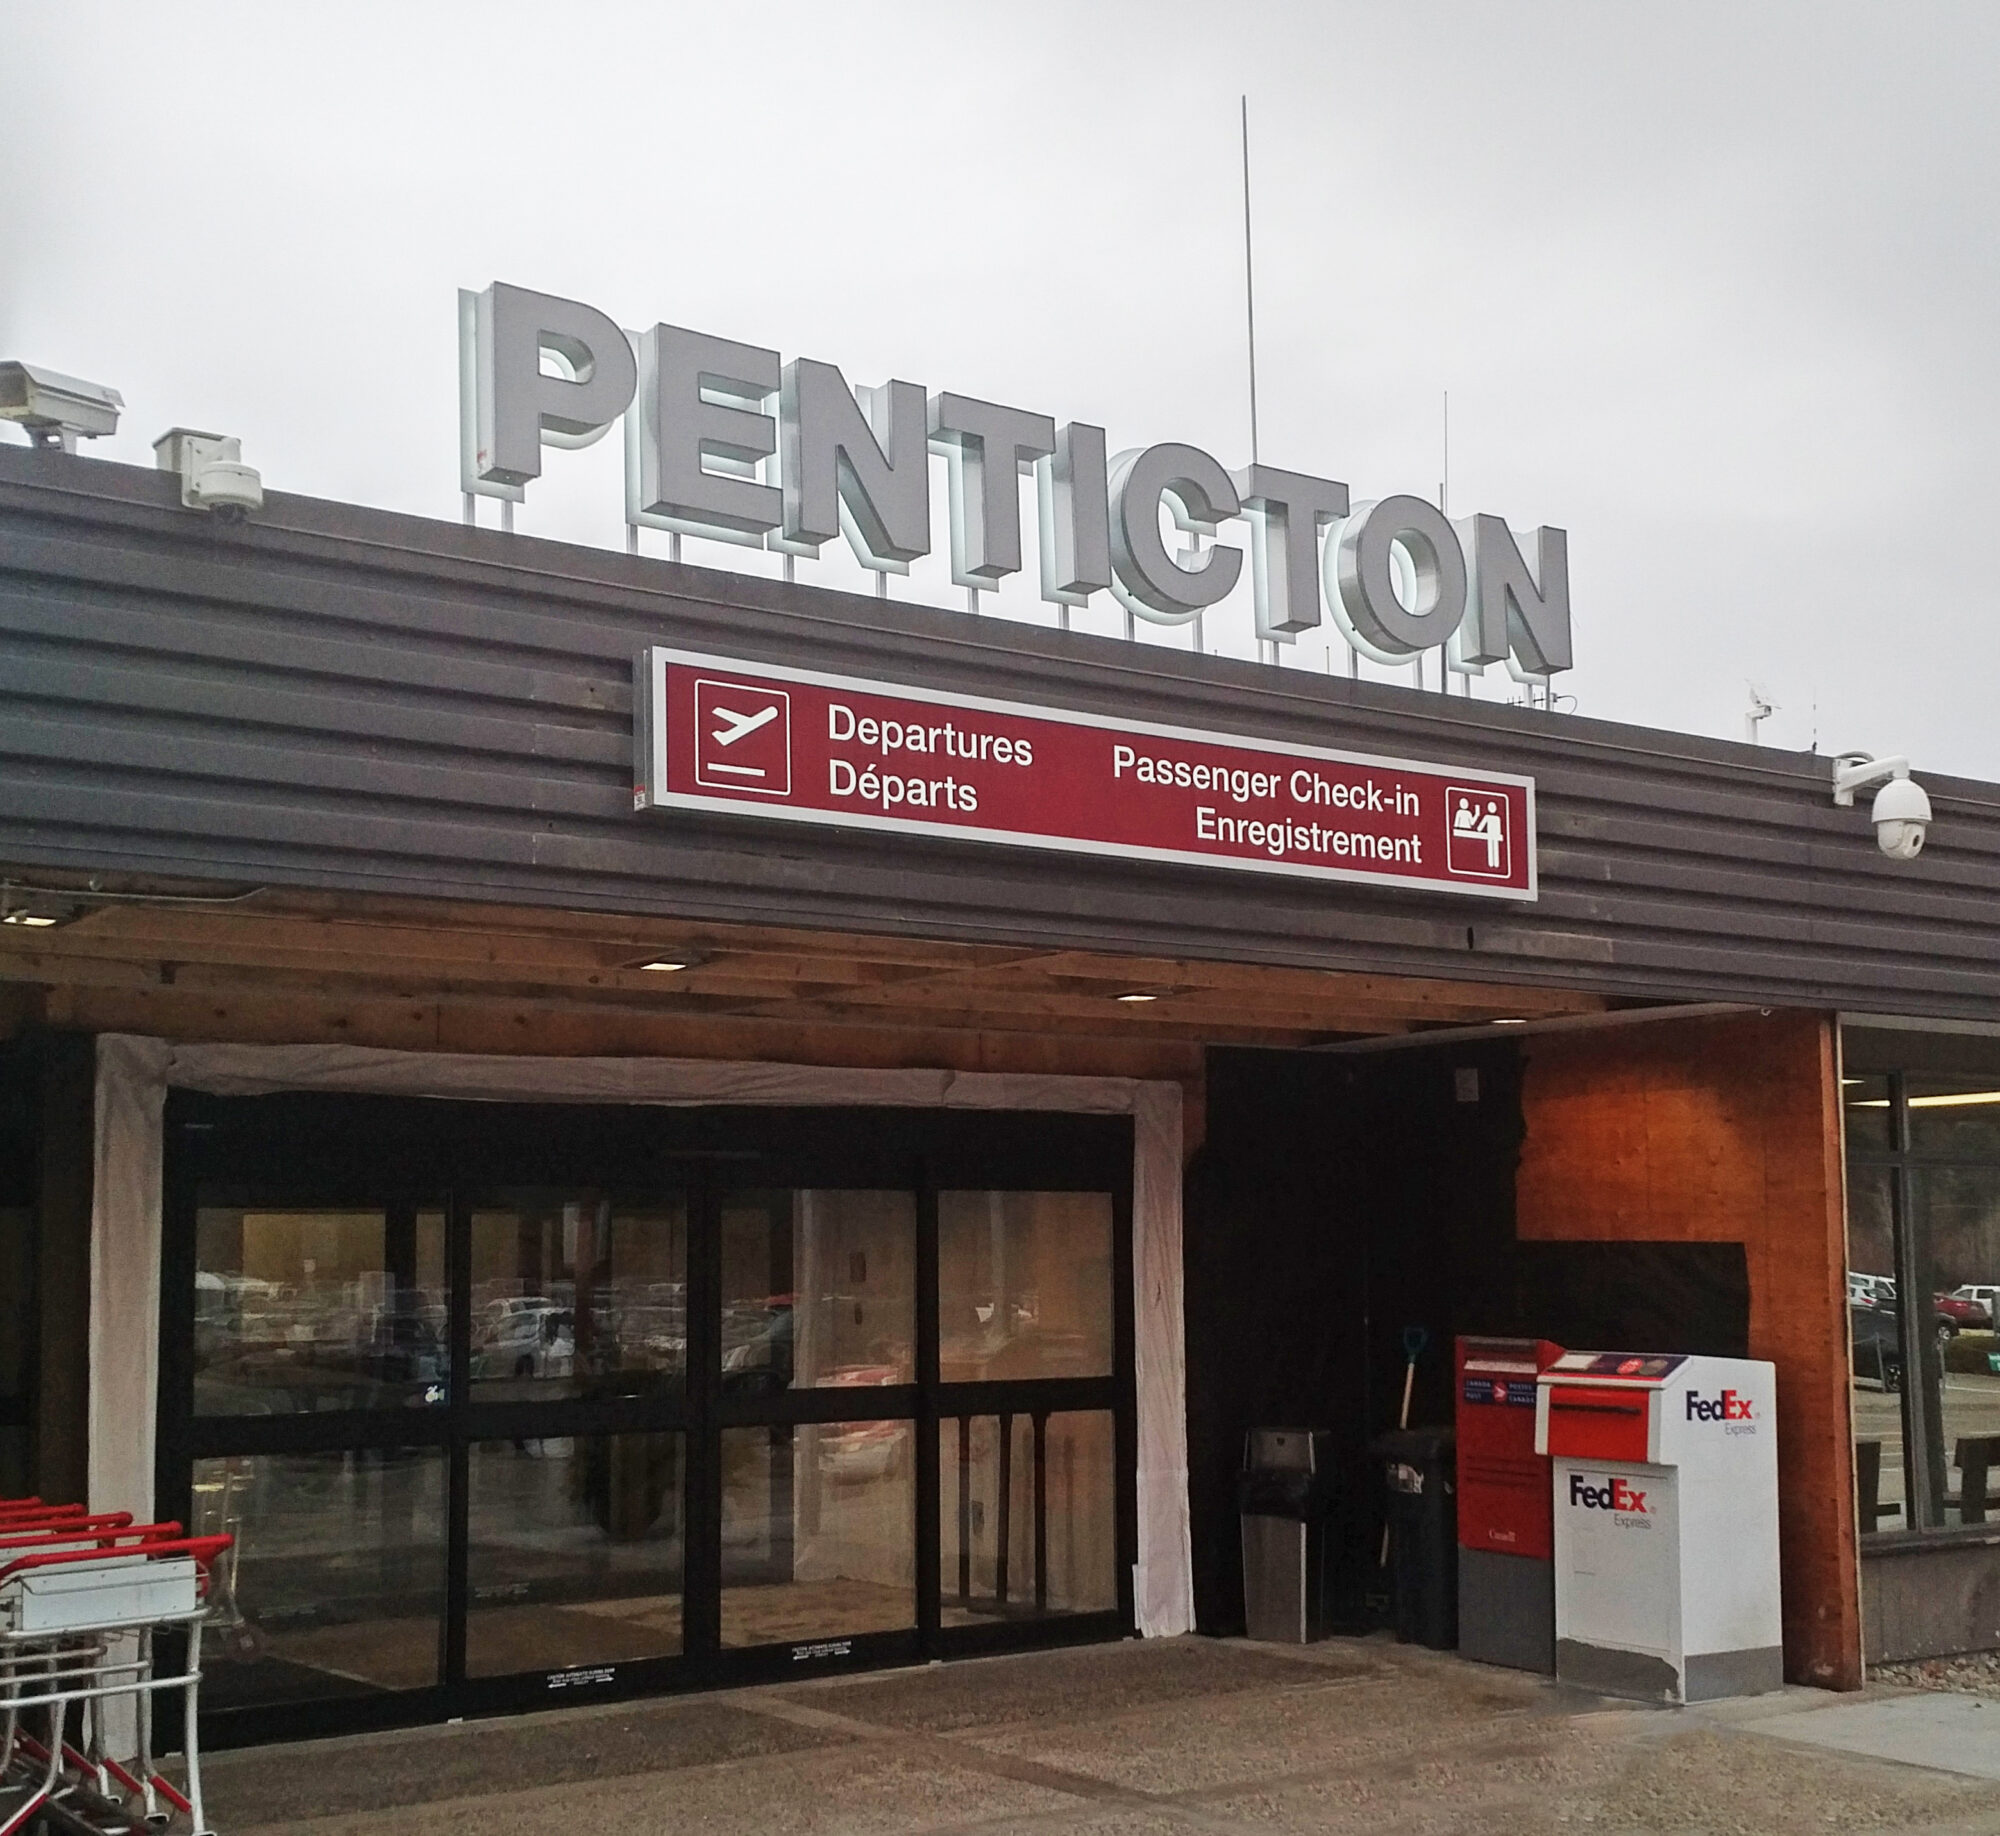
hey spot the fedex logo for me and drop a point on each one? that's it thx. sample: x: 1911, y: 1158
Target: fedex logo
x: 1728, y: 1407
x: 1613, y: 1495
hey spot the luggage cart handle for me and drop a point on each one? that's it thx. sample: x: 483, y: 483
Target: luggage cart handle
x: 204, y: 1550
x: 17, y: 1536
x: 52, y: 1514
x: 105, y: 1539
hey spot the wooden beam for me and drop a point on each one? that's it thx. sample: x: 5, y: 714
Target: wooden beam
x: 490, y: 1027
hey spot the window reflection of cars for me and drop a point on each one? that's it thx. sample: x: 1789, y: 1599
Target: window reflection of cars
x: 853, y: 1452
x: 757, y: 1345
x: 1965, y: 1311
x: 1878, y: 1347
x: 526, y: 1340
x: 272, y: 1347
x: 1869, y: 1290
x: 1982, y: 1293
x: 402, y: 1345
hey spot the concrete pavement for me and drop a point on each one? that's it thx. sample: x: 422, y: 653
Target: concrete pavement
x: 1141, y: 1739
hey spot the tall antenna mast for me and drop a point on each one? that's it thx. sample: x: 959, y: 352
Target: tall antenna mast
x: 1267, y: 649
x: 1249, y: 282
x: 1444, y: 481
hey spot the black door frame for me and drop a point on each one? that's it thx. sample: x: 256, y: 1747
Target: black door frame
x: 408, y: 1153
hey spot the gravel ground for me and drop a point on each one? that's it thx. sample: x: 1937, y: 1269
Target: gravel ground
x: 1975, y: 1674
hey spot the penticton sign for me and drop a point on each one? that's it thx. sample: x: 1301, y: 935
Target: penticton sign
x: 728, y: 441
x: 733, y: 738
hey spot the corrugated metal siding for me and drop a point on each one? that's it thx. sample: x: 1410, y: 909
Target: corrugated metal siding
x: 341, y: 698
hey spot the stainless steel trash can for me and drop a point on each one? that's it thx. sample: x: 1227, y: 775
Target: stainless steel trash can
x: 1285, y: 1495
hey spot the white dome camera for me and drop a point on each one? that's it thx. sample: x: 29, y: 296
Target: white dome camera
x: 1902, y: 810
x: 212, y: 473
x: 1901, y: 815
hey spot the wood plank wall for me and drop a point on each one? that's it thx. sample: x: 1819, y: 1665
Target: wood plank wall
x: 1728, y: 1130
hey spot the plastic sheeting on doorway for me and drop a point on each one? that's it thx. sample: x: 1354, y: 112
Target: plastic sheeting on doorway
x: 134, y: 1075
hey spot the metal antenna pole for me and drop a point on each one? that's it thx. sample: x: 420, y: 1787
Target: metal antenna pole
x: 1249, y: 283
x: 1444, y: 505
x: 1267, y: 649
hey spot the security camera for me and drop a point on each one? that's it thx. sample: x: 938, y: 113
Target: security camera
x: 1901, y: 815
x: 57, y: 411
x: 1901, y: 811
x: 212, y: 473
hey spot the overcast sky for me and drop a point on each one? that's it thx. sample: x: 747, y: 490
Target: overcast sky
x: 1713, y: 287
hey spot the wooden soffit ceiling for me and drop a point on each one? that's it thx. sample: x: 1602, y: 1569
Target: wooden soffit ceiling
x: 271, y: 943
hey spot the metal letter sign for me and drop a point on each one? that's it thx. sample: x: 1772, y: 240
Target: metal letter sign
x: 792, y: 745
x: 730, y: 442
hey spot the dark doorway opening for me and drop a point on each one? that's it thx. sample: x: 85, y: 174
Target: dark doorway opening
x: 1338, y: 1200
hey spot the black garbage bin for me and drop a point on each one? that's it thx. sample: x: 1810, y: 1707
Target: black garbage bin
x: 1285, y: 1493
x: 1421, y: 1498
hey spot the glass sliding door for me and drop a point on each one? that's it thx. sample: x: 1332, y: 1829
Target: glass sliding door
x: 576, y: 1483
x: 575, y: 1551
x: 336, y: 1585
x: 817, y: 1462
x: 499, y: 1402
x: 320, y: 1371
x: 1029, y: 1334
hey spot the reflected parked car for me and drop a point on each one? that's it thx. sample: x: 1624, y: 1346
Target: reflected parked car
x: 1969, y: 1309
x: 527, y: 1341
x: 1870, y: 1290
x: 1878, y: 1347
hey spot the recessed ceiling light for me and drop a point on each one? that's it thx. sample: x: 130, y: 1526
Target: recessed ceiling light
x: 1516, y: 1021
x: 34, y: 921
x: 1137, y: 995
x: 666, y: 965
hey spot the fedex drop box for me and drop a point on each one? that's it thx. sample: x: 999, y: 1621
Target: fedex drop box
x: 1665, y: 1476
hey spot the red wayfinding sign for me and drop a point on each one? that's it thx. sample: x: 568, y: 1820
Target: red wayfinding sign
x: 794, y: 745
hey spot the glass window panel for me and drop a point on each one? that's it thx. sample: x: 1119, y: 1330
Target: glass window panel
x: 578, y: 1294
x: 575, y: 1552
x: 336, y: 1584
x: 1958, y: 1212
x: 1878, y: 1348
x: 1024, y: 1285
x: 300, y: 1309
x: 818, y: 1532
x: 1954, y: 1115
x: 1028, y: 1516
x: 819, y: 1289
x: 1865, y: 1101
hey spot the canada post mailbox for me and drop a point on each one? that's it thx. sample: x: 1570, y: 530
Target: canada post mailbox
x: 1506, y: 1587
x: 1666, y: 1523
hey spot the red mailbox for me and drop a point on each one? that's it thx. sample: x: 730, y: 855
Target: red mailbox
x: 1506, y: 1583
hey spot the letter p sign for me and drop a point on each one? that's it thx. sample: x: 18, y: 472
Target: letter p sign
x: 535, y: 370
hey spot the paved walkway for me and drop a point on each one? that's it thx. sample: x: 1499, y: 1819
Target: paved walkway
x: 1144, y: 1739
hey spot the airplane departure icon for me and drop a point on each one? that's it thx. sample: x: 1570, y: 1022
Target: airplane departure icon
x: 734, y: 727
x: 743, y: 738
